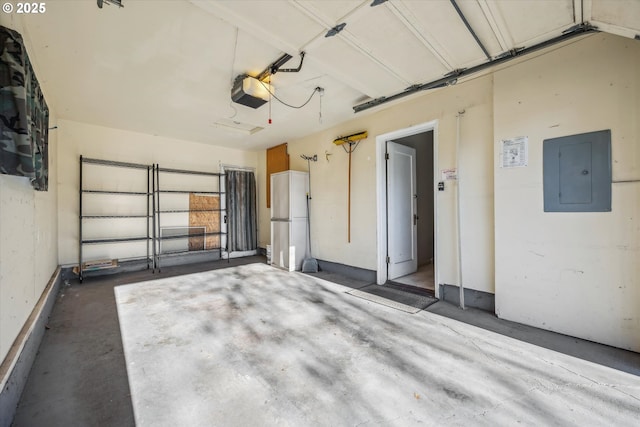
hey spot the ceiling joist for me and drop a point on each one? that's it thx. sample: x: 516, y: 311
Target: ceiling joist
x: 410, y: 22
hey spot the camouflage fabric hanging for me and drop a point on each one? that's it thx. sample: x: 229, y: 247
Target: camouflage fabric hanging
x: 24, y: 115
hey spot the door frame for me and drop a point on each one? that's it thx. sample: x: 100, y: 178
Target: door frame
x: 381, y: 195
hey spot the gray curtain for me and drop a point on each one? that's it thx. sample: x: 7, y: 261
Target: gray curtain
x: 242, y: 230
x: 24, y: 115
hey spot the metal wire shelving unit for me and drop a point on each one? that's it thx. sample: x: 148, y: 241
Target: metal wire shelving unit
x: 159, y: 214
x: 145, y: 235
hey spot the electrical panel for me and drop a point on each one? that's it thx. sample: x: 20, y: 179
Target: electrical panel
x: 577, y: 173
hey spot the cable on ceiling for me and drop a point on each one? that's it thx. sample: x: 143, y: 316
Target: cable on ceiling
x: 317, y: 89
x: 320, y: 107
x: 233, y: 64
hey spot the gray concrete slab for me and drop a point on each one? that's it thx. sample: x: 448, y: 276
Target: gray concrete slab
x: 622, y: 360
x: 74, y: 380
x: 15, y: 369
x: 341, y: 279
x: 79, y: 376
x: 254, y: 345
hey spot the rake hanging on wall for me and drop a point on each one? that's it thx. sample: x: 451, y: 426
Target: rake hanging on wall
x: 352, y: 142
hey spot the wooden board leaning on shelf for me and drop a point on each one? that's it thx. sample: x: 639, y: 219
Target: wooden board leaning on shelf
x: 204, y: 211
x: 102, y: 264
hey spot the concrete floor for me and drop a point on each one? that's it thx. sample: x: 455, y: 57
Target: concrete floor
x: 79, y: 377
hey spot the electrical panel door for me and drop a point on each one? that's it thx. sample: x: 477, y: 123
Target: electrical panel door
x: 577, y: 173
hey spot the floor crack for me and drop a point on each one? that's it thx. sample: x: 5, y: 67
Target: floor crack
x: 611, y: 386
x: 472, y: 342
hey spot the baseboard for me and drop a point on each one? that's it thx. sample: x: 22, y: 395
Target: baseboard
x: 472, y: 298
x: 240, y: 254
x: 356, y: 273
x: 14, y: 370
x: 68, y: 272
x: 168, y: 260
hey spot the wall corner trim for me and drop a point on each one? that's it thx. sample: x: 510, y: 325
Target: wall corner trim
x: 14, y: 370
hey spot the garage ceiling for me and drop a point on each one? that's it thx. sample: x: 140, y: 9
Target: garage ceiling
x: 166, y: 67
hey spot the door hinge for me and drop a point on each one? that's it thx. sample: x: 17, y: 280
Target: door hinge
x: 386, y: 156
x: 388, y: 260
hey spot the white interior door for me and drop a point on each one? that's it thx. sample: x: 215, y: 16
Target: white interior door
x: 401, y: 210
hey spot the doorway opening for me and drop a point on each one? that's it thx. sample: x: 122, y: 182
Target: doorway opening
x: 407, y: 252
x: 239, y: 227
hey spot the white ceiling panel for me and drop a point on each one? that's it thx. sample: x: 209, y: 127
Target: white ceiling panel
x: 623, y: 13
x: 530, y: 21
x: 441, y: 27
x: 621, y: 16
x: 385, y: 37
x: 166, y: 67
x: 333, y: 11
x: 347, y: 60
x: 279, y: 20
x: 485, y: 27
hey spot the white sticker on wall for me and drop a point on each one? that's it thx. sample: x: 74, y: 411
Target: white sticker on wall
x: 449, y: 174
x: 514, y: 152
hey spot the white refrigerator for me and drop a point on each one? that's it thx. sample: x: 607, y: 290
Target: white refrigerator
x: 289, y: 219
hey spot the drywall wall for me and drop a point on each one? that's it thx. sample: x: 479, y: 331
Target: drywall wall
x: 17, y: 252
x: 574, y: 273
x: 329, y: 178
x: 28, y: 230
x: 98, y: 142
